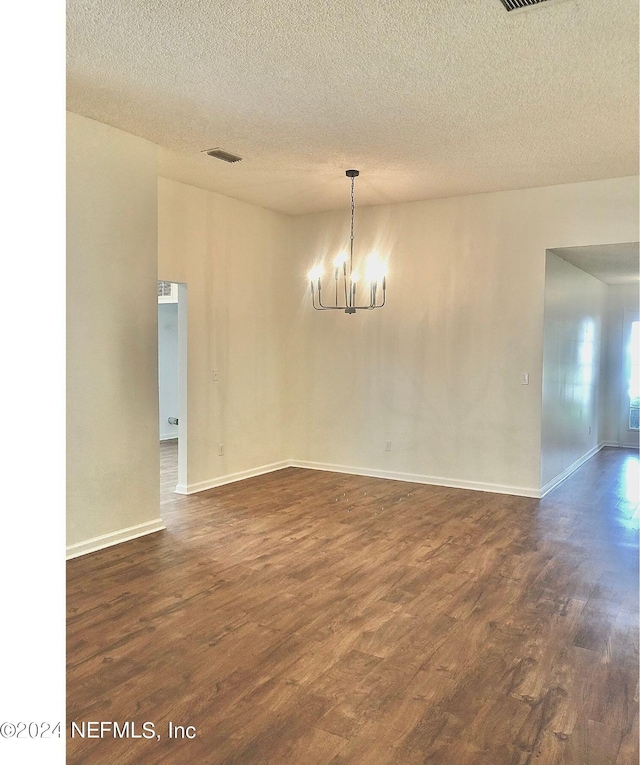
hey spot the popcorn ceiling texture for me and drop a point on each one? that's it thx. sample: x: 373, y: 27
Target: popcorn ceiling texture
x: 427, y: 98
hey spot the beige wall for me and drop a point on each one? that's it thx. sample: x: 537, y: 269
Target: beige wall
x: 619, y: 298
x: 437, y: 371
x: 573, y: 319
x: 234, y: 259
x: 112, y: 414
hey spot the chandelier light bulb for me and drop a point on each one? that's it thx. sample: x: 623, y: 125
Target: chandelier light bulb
x: 340, y: 259
x: 315, y: 273
x: 376, y: 269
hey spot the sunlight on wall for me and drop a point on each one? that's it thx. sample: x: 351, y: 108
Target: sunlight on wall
x: 629, y: 491
x: 634, y: 362
x: 586, y: 361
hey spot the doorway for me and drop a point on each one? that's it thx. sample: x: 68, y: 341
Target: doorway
x: 590, y: 359
x: 172, y: 384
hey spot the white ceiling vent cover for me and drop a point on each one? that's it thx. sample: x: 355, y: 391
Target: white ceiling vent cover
x: 225, y: 156
x: 513, y: 5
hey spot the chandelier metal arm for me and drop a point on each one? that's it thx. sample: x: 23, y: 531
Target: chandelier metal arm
x: 348, y: 307
x: 344, y: 271
x: 320, y: 306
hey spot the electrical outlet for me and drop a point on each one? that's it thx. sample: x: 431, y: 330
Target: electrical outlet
x: 220, y: 450
x: 589, y: 429
x: 215, y: 375
x: 524, y: 378
x: 387, y: 446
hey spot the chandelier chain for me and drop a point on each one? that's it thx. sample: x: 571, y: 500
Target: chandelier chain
x: 353, y: 207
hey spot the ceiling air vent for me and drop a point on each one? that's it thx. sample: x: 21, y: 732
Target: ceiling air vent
x: 513, y: 5
x: 225, y: 156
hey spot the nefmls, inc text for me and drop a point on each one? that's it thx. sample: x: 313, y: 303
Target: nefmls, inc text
x: 128, y: 729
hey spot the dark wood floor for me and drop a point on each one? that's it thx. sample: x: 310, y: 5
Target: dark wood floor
x: 311, y: 618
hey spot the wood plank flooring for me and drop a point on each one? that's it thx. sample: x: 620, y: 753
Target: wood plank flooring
x: 312, y: 618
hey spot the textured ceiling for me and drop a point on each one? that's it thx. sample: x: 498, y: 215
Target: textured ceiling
x: 427, y: 98
x: 611, y: 263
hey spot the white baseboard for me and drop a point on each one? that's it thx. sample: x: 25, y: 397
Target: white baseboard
x: 494, y: 488
x: 617, y: 444
x: 550, y: 485
x: 114, y: 538
x: 194, y: 488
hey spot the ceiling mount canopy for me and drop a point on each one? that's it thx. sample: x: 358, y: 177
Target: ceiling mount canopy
x: 346, y: 277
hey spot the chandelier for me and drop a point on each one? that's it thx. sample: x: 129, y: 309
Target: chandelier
x: 347, y: 278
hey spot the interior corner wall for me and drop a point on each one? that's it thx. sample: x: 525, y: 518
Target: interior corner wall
x: 573, y: 322
x: 112, y: 386
x: 437, y: 372
x: 234, y: 259
x: 619, y: 298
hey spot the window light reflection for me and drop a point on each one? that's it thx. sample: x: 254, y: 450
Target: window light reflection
x: 629, y: 495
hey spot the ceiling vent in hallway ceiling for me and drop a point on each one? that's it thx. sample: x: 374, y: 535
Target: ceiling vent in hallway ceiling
x: 225, y: 156
x: 513, y: 5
